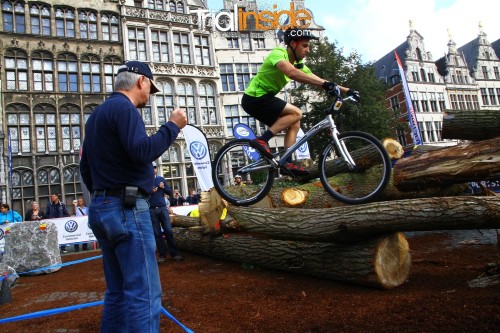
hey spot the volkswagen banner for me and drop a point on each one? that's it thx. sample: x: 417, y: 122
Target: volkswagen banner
x: 200, y: 156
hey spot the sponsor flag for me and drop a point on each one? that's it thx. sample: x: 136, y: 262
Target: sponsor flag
x: 200, y: 156
x: 412, y: 119
x: 303, y: 151
x: 242, y: 131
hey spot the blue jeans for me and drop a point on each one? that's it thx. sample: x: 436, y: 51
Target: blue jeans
x: 161, y: 220
x: 132, y: 302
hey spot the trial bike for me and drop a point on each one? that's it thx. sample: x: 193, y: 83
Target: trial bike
x: 354, y: 167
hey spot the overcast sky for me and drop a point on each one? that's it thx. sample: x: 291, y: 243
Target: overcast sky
x: 375, y: 27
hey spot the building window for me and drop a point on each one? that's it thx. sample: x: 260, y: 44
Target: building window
x: 395, y: 105
x: 232, y: 117
x: 207, y: 104
x: 16, y: 70
x: 67, y: 72
x: 227, y: 77
x: 181, y: 48
x: 497, y: 73
x: 430, y: 75
x: 242, y: 76
x: 18, y: 122
x: 72, y: 184
x: 88, y: 24
x: 13, y: 17
x: 147, y: 115
x: 176, y: 6
x: 40, y: 20
x: 65, y: 22
x: 137, y: 43
x: 201, y: 50
x: 186, y: 101
x: 485, y: 72
x: 49, y: 181
x: 111, y: 65
x: 70, y: 128
x: 91, y: 74
x: 159, y: 41
x: 468, y: 100
x: 414, y: 74
x: 422, y: 75
x: 461, y: 101
x: 45, y: 129
x: 246, y: 42
x: 259, y: 43
x: 233, y: 42
x: 109, y: 26
x: 484, y: 96
x: 493, y: 97
x: 164, y: 101
x: 43, y: 71
x: 158, y: 5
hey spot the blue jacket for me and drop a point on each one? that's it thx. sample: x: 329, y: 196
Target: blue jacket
x: 157, y: 198
x: 11, y: 216
x: 117, y: 150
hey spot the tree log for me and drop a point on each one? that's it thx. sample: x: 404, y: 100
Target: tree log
x: 474, y: 161
x: 382, y: 262
x: 471, y: 125
x: 354, y: 223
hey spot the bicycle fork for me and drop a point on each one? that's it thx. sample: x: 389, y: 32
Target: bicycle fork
x: 344, y: 152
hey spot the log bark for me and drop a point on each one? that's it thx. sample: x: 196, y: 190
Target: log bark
x: 353, y: 223
x: 471, y: 125
x: 473, y: 161
x: 382, y: 262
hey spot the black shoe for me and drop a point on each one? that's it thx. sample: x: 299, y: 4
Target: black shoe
x: 293, y: 170
x: 178, y: 258
x: 264, y: 146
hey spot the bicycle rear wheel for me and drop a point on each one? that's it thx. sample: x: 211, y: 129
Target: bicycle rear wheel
x: 363, y: 182
x: 245, y: 158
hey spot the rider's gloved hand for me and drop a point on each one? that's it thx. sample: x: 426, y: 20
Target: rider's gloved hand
x: 354, y: 94
x: 331, y: 88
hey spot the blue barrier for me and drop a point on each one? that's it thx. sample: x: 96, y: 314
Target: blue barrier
x: 51, y: 312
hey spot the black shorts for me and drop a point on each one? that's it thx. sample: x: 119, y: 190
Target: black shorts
x: 265, y: 109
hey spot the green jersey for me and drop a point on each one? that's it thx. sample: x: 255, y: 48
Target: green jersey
x: 269, y: 79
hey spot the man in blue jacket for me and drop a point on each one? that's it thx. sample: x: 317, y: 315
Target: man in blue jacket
x: 116, y: 167
x: 161, y: 219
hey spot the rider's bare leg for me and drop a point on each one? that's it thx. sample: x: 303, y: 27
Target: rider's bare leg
x: 289, y: 118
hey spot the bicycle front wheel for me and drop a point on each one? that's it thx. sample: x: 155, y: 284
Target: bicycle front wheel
x: 362, y: 181
x: 245, y: 158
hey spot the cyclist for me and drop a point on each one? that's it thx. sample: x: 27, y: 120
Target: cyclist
x: 278, y: 68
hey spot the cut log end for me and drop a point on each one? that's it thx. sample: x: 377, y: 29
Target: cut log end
x: 393, y: 261
x: 393, y: 148
x: 293, y: 197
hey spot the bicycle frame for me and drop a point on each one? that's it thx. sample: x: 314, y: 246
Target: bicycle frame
x: 328, y: 122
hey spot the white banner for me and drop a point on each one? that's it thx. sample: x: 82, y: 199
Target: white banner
x: 73, y: 229
x: 303, y: 151
x: 200, y: 156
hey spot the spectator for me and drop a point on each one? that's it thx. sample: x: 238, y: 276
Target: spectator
x: 161, y: 219
x: 193, y: 198
x: 9, y: 216
x: 237, y: 181
x: 35, y: 213
x: 176, y: 199
x: 56, y: 209
x: 116, y: 166
x: 80, y: 210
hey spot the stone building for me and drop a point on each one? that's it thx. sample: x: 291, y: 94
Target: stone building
x: 58, y: 60
x: 466, y: 78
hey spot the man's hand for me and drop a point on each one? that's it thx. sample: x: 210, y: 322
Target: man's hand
x: 354, y: 94
x: 178, y: 117
x: 331, y: 88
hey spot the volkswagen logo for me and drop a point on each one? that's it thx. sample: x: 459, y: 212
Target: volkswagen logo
x: 303, y: 147
x: 71, y: 226
x: 198, y: 150
x: 242, y: 131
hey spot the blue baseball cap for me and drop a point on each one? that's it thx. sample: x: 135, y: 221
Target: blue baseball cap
x: 141, y: 68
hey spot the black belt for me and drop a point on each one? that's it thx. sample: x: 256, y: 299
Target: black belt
x: 156, y: 207
x: 118, y: 193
